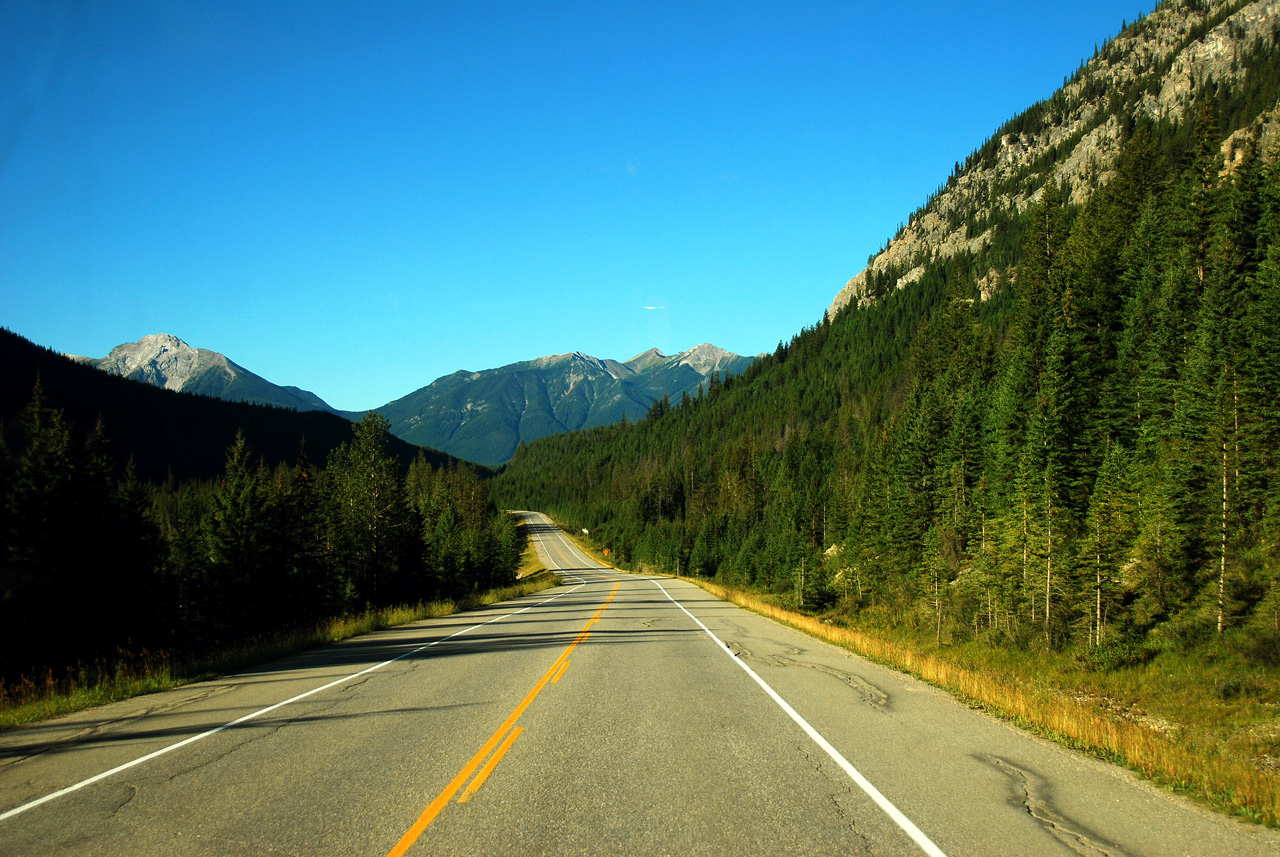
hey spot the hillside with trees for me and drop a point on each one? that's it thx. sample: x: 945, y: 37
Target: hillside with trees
x: 119, y: 535
x: 1064, y: 437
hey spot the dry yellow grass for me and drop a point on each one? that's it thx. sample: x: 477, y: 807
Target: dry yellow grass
x: 530, y: 565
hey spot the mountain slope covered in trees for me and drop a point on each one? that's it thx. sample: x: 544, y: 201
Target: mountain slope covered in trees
x: 166, y: 432
x: 1065, y: 436
x: 135, y: 519
x: 484, y: 416
x: 1154, y: 72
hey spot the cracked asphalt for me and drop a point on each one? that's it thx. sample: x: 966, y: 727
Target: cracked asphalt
x: 634, y: 733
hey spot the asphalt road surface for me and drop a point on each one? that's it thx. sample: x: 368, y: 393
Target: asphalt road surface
x: 615, y: 714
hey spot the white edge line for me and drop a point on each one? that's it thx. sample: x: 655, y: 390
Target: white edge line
x: 908, y: 827
x: 18, y: 810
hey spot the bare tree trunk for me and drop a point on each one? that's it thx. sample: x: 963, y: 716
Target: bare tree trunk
x: 1026, y: 546
x: 1222, y: 568
x: 1048, y: 560
x: 1097, y: 638
x: 937, y: 602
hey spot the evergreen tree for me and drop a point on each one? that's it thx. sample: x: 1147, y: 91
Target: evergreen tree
x: 239, y: 537
x: 371, y: 526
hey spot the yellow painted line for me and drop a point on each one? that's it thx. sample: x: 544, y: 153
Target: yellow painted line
x: 491, y: 764
x: 433, y: 809
x: 555, y: 678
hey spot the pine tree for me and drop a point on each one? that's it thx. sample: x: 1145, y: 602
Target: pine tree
x: 371, y: 526
x: 1109, y: 533
x: 239, y: 537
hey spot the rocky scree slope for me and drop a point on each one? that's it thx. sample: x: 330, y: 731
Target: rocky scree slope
x: 1151, y: 72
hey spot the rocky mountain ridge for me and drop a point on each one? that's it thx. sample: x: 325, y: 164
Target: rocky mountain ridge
x: 164, y: 360
x: 479, y: 416
x: 1151, y: 71
x: 484, y: 416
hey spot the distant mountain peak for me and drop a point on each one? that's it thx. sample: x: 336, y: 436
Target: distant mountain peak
x: 706, y: 358
x: 165, y: 360
x: 644, y: 360
x: 484, y: 416
x: 162, y: 341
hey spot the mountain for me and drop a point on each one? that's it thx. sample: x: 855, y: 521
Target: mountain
x: 1046, y: 416
x: 1154, y: 72
x: 163, y: 360
x: 485, y: 416
x: 478, y: 416
x: 166, y: 432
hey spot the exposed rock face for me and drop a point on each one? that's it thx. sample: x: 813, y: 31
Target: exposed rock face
x: 1085, y: 131
x: 164, y: 360
x: 707, y: 358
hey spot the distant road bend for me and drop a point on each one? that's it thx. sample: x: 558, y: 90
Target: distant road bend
x: 617, y: 714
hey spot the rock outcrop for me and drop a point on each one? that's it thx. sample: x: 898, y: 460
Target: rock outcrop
x: 1152, y: 69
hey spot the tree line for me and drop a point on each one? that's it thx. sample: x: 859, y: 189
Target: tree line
x: 96, y: 563
x: 1086, y: 458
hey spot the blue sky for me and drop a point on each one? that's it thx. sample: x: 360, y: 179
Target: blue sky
x: 357, y: 198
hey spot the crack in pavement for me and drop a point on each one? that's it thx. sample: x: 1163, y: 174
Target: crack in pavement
x: 870, y: 694
x: 1038, y: 806
x: 265, y: 732
x: 350, y: 686
x: 133, y: 792
x: 844, y: 788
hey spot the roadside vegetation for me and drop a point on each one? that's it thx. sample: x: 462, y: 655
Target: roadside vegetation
x: 28, y: 699
x: 111, y: 586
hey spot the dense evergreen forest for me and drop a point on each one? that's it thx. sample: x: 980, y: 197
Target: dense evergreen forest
x: 1086, y: 459
x: 97, y: 565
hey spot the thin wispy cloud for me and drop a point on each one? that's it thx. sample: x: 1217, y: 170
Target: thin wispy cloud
x: 652, y: 307
x: 630, y: 168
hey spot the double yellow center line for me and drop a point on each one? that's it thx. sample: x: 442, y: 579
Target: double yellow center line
x: 553, y: 674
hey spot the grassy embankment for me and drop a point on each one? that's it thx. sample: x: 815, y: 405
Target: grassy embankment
x: 86, y: 687
x: 1202, y: 723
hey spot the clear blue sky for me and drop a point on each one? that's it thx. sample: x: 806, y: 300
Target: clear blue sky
x: 357, y: 198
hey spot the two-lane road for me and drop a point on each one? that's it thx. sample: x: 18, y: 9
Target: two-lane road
x: 617, y: 714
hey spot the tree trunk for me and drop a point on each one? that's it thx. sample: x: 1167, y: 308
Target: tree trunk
x: 1097, y: 637
x: 1048, y: 567
x: 1222, y: 568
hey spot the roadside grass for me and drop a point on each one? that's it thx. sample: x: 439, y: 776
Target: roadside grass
x: 130, y: 675
x: 530, y: 565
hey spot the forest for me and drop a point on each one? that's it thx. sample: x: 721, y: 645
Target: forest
x: 1085, y: 460
x: 100, y: 566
